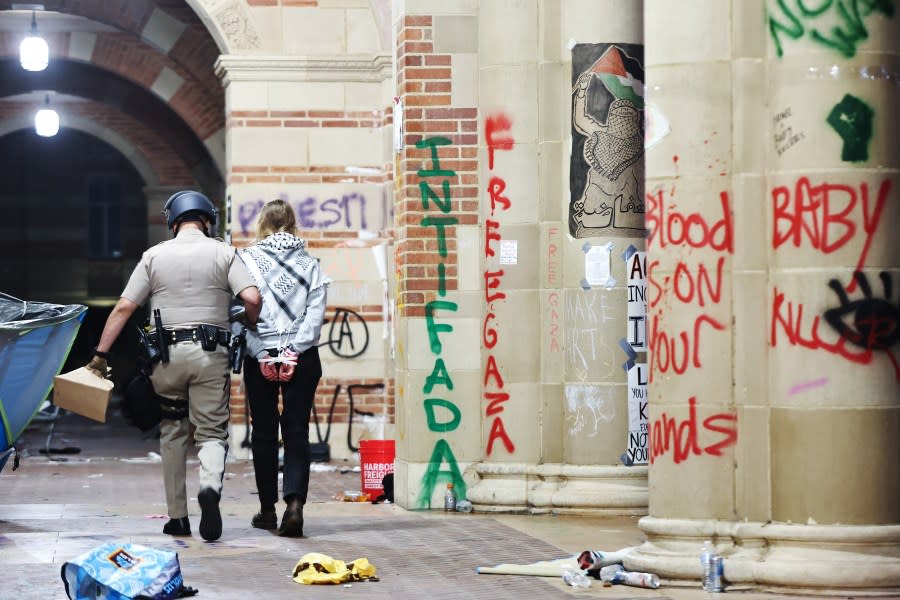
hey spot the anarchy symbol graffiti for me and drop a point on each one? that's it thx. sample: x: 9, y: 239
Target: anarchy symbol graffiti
x: 341, y: 338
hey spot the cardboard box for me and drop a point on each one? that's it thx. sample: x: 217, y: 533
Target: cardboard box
x: 82, y: 392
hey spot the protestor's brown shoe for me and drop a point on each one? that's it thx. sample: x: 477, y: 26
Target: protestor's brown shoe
x: 265, y: 519
x: 292, y: 520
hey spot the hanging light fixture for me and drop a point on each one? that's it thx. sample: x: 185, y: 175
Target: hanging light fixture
x: 46, y: 121
x: 34, y: 54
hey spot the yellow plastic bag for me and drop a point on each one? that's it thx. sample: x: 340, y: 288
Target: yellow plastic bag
x: 315, y: 568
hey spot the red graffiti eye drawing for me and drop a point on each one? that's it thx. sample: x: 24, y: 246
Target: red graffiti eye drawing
x: 875, y: 321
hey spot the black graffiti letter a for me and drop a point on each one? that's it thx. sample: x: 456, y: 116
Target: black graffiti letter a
x: 344, y: 332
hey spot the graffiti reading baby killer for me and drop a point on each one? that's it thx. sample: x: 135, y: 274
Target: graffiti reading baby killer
x: 828, y: 217
x: 441, y: 414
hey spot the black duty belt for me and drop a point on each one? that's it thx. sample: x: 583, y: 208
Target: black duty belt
x: 208, y: 334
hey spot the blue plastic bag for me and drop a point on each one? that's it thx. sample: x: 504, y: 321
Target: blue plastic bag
x: 122, y: 571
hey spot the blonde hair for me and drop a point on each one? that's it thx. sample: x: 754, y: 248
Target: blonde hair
x: 276, y: 216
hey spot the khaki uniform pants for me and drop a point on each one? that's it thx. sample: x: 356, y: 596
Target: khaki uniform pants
x: 201, y: 378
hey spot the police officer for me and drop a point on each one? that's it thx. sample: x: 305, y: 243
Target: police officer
x: 191, y: 280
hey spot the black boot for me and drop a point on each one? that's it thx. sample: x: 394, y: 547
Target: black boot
x: 266, y: 518
x: 177, y: 527
x: 292, y: 521
x: 210, y: 517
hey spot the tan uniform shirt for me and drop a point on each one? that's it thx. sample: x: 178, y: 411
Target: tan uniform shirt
x: 191, y: 279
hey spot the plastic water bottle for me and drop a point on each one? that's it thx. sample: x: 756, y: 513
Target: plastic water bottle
x: 706, y: 564
x: 449, y: 498
x: 463, y: 506
x: 712, y: 568
x: 576, y: 579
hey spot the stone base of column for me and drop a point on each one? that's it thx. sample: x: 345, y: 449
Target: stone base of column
x: 822, y: 559
x: 560, y: 489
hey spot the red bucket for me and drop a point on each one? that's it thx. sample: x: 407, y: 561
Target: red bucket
x: 376, y: 458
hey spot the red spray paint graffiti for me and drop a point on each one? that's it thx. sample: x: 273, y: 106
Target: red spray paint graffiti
x: 827, y: 218
x: 696, y: 284
x: 496, y: 130
x: 682, y: 438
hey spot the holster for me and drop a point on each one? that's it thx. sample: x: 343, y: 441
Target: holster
x: 148, y: 348
x: 238, y: 349
x: 208, y: 336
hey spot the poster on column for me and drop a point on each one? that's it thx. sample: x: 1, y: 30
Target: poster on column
x: 636, y: 269
x: 606, y: 175
x: 637, y: 413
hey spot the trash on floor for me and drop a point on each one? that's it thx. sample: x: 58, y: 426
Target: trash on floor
x: 614, y: 574
x: 316, y: 568
x: 576, y: 570
x: 543, y: 568
x: 121, y: 570
x: 351, y: 496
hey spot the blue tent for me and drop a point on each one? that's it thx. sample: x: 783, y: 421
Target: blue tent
x: 35, y: 339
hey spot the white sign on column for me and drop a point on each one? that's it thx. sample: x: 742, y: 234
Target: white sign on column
x: 636, y: 270
x: 637, y: 413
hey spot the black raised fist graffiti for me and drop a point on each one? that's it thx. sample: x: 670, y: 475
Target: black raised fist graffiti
x: 871, y: 323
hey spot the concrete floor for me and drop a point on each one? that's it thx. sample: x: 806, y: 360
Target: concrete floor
x: 52, y: 510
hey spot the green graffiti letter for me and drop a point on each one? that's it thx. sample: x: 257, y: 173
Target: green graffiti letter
x: 433, y: 425
x: 435, y: 328
x: 439, y: 375
x: 440, y: 223
x: 429, y: 194
x: 436, y: 170
x: 434, y: 475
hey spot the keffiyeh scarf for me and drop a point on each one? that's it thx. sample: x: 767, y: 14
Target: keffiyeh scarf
x: 290, y: 281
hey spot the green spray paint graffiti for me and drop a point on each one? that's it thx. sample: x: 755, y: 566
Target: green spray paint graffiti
x: 440, y: 376
x: 852, y: 119
x: 845, y: 18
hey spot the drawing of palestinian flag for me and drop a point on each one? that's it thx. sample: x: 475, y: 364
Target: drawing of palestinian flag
x: 611, y: 70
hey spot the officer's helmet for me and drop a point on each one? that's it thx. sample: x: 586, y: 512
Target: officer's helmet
x: 188, y: 201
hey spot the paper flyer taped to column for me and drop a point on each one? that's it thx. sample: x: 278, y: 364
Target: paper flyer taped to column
x: 509, y: 252
x: 636, y: 272
x: 596, y: 265
x: 637, y: 413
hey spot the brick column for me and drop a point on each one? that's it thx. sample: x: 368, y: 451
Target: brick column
x: 437, y: 236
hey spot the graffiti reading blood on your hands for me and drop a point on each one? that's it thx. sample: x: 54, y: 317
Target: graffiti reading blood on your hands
x: 497, y: 137
x: 839, y: 25
x: 682, y: 438
x: 442, y: 415
x: 691, y: 284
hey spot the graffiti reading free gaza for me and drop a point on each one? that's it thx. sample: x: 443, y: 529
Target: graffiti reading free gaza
x: 442, y: 415
x: 495, y: 134
x: 838, y: 25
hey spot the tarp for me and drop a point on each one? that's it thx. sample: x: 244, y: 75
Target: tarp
x: 35, y: 339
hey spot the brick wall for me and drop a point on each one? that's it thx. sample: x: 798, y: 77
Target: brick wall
x: 424, y: 82
x: 199, y: 100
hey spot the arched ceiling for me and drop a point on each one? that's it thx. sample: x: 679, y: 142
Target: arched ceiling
x: 149, y: 59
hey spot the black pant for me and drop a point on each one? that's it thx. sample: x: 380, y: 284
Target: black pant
x: 297, y: 395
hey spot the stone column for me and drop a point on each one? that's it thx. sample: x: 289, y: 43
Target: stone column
x: 555, y: 418
x: 775, y: 389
